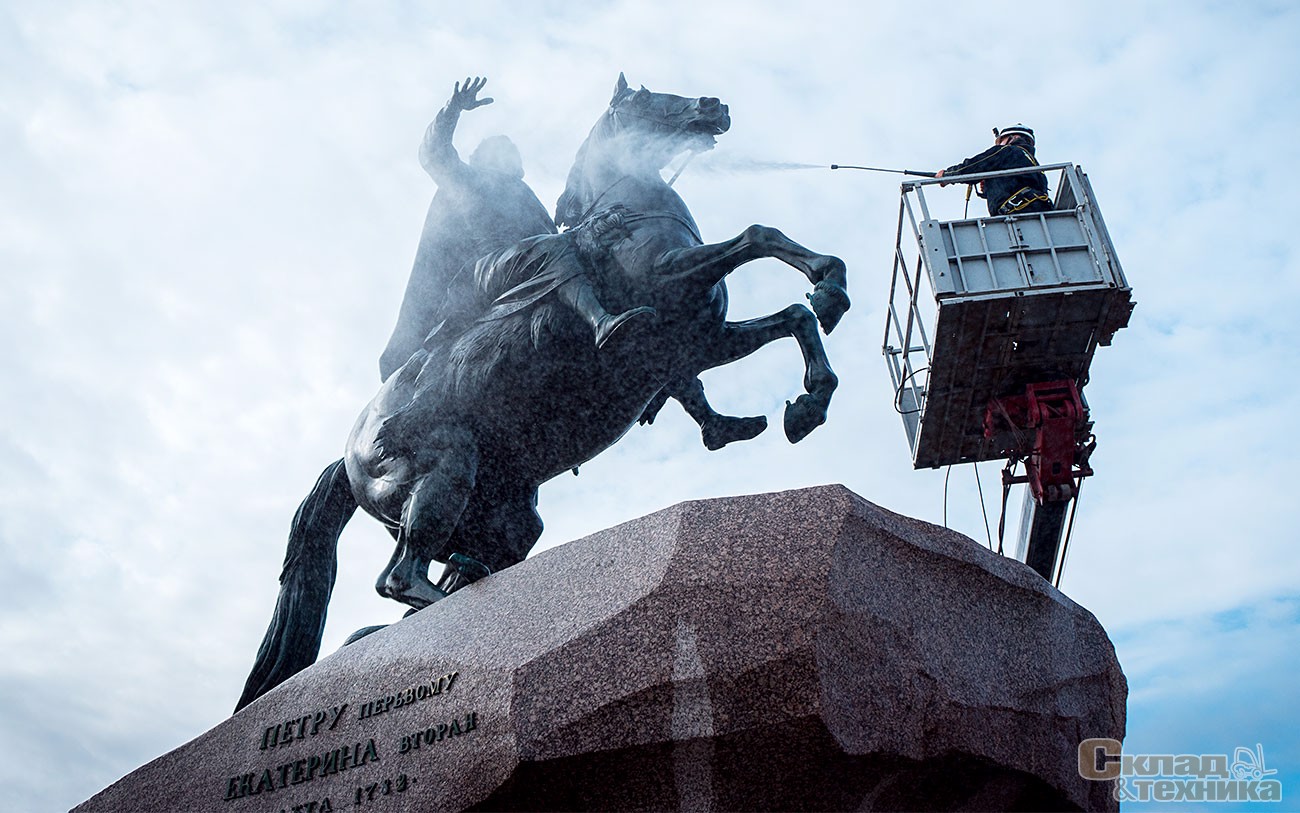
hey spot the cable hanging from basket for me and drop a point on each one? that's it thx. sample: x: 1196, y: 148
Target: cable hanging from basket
x: 1008, y: 474
x: 988, y: 535
x: 1069, y: 529
x: 898, y: 393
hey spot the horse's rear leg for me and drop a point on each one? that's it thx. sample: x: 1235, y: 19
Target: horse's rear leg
x: 500, y: 526
x: 429, y: 517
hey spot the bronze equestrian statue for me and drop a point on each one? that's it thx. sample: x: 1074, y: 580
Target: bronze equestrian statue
x: 510, y: 389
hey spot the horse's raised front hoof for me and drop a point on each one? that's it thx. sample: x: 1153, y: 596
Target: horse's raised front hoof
x: 830, y: 302
x: 723, y: 429
x: 804, y: 415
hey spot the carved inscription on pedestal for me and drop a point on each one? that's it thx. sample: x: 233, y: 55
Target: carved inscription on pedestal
x: 294, y: 761
x: 407, y: 696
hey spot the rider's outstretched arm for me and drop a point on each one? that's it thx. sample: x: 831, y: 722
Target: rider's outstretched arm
x: 437, y: 155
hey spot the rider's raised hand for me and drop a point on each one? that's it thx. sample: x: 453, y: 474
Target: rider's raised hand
x: 464, y: 97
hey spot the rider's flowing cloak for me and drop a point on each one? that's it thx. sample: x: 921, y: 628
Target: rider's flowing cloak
x: 474, y: 212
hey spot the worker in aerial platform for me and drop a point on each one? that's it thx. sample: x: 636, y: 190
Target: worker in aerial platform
x: 1013, y: 194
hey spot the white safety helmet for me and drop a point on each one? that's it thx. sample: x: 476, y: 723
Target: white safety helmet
x: 1015, y: 130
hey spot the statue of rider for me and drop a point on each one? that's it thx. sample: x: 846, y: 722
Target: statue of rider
x: 484, y: 206
x: 480, y: 207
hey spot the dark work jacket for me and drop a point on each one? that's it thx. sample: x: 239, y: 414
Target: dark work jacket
x: 995, y: 158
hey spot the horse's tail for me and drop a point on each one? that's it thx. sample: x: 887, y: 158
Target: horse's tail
x: 293, y: 639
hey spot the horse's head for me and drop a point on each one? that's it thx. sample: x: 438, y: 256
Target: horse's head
x: 638, y: 135
x: 653, y: 127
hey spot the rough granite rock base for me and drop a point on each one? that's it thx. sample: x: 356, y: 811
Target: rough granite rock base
x: 805, y: 650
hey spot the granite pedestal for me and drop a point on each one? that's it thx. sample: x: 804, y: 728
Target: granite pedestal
x: 799, y: 650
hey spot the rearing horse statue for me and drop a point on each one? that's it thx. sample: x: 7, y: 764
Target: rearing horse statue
x: 450, y: 453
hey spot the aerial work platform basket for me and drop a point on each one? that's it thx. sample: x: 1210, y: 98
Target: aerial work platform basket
x: 989, y: 336
x: 990, y: 305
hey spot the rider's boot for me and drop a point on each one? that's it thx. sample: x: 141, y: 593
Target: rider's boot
x: 578, y: 294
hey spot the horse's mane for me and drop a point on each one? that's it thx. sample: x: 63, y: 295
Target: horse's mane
x: 570, y: 208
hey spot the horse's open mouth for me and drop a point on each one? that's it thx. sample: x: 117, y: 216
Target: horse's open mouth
x: 714, y: 127
x: 704, y: 135
x: 712, y: 122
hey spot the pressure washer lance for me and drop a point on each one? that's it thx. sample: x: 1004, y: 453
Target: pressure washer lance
x: 909, y: 172
x: 880, y: 169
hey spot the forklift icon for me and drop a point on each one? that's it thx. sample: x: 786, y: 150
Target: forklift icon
x: 1249, y: 765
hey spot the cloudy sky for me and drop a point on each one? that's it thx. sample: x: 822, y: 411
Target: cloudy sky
x: 208, y: 213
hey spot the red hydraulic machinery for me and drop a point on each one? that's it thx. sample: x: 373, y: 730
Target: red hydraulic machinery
x: 989, y: 337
